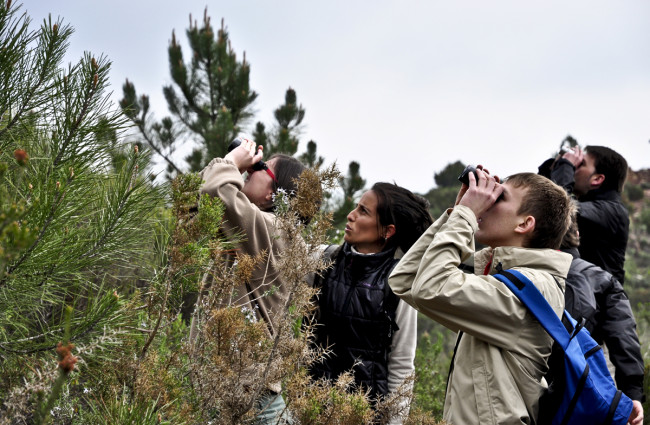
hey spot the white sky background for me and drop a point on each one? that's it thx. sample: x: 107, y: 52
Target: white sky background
x: 406, y: 87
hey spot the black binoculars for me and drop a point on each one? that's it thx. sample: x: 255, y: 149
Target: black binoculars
x: 236, y: 142
x: 464, y: 178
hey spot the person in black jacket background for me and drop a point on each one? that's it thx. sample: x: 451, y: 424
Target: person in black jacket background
x: 596, y: 177
x: 595, y: 295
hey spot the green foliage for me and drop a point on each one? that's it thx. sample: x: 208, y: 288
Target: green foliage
x: 284, y: 138
x: 644, y: 219
x: 15, y: 234
x: 123, y: 408
x: 642, y: 316
x: 637, y: 256
x: 637, y: 274
x: 351, y: 185
x: 66, y: 364
x: 77, y: 227
x: 210, y: 101
x: 448, y: 177
x: 210, y: 98
x: 634, y: 192
x: 431, y: 368
x: 444, y: 195
x: 310, y: 158
x: 339, y: 403
x: 67, y: 213
x: 441, y: 198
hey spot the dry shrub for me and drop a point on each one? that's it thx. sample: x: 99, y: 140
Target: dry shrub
x: 234, y: 358
x: 213, y: 368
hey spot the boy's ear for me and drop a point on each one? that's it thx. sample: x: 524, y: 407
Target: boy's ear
x: 596, y: 180
x: 526, y: 226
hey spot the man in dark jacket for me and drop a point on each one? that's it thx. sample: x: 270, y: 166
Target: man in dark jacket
x: 595, y: 295
x: 596, y: 177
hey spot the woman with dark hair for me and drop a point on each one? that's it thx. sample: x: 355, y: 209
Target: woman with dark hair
x: 364, y: 324
x: 249, y: 209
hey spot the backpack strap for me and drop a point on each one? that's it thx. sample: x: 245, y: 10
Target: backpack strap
x: 530, y: 296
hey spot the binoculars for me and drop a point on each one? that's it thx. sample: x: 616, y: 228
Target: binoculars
x: 236, y: 142
x: 567, y: 144
x: 464, y: 178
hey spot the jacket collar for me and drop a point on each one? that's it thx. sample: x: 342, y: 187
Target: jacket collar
x: 601, y: 195
x: 573, y: 251
x: 368, y: 260
x: 551, y: 261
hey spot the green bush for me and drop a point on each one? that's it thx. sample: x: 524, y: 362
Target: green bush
x: 644, y: 218
x: 440, y: 199
x: 634, y: 192
x: 431, y: 368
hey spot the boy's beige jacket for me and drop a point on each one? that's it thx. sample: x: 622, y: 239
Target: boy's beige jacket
x: 500, y: 360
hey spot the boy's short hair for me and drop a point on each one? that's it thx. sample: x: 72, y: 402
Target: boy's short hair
x: 549, y: 204
x: 610, y: 163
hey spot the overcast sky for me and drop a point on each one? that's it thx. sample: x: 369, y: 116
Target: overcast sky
x: 406, y: 87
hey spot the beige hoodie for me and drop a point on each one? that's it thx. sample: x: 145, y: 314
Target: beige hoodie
x: 224, y: 181
x: 502, y: 355
x: 265, y: 294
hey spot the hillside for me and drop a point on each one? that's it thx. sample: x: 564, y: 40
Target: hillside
x: 637, y: 262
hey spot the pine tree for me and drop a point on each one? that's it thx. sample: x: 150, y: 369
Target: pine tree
x: 284, y: 137
x: 210, y: 99
x: 310, y: 158
x: 448, y: 177
x: 73, y: 224
x: 444, y: 194
x: 352, y: 184
x: 76, y: 237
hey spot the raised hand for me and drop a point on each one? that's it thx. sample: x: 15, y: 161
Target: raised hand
x: 245, y: 155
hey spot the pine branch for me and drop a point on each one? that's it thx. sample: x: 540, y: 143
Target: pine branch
x: 80, y: 118
x: 87, y: 328
x: 141, y: 126
x: 154, y: 331
x: 51, y: 56
x: 108, y: 230
x: 39, y: 238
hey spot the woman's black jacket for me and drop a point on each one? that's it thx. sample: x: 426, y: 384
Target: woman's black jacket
x: 356, y: 318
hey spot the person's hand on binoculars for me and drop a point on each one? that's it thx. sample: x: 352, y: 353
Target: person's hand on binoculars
x: 575, y: 156
x: 465, y: 186
x: 245, y: 155
x: 480, y: 195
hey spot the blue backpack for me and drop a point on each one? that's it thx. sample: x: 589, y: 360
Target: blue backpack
x: 581, y: 389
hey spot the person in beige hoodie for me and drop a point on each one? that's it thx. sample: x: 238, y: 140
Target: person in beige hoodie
x: 501, y: 354
x: 249, y: 210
